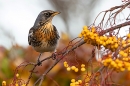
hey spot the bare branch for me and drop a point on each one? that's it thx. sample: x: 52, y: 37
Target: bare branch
x: 114, y: 28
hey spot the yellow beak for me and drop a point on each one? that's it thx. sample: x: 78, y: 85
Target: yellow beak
x: 56, y: 13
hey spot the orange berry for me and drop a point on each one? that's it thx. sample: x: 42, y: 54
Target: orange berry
x: 128, y: 35
x: 72, y: 80
x: 85, y: 27
x: 76, y: 70
x: 121, y: 52
x: 3, y: 83
x: 80, y: 81
x: 83, y: 69
x: 68, y: 68
x: 73, y: 67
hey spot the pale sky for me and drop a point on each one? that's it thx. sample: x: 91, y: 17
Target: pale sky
x: 18, y: 16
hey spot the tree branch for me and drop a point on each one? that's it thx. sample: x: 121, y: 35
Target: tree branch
x: 57, y: 60
x: 114, y: 28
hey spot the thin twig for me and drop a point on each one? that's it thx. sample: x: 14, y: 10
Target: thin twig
x: 34, y: 69
x: 92, y: 79
x: 114, y: 28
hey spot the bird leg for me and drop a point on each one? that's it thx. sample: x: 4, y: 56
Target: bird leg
x: 54, y: 55
x: 38, y: 60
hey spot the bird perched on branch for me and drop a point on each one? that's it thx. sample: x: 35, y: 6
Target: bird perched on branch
x: 43, y: 36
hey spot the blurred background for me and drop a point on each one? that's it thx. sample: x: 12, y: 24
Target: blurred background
x: 18, y: 16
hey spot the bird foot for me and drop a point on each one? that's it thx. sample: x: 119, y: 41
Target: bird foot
x: 54, y: 56
x: 39, y: 63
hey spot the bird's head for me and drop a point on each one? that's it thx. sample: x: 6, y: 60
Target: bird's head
x: 45, y: 16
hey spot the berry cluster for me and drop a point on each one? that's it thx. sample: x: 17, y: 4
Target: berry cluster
x: 122, y: 61
x: 81, y: 82
x: 118, y: 65
x: 92, y: 37
x: 75, y: 83
x: 74, y: 68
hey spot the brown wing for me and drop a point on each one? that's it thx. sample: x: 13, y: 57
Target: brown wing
x: 30, y: 36
x: 56, y: 32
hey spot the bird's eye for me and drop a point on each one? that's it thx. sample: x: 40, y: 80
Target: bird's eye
x: 47, y: 14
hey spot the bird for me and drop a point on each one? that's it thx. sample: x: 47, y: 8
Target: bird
x: 44, y: 36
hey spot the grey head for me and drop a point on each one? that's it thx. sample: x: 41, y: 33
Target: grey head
x: 44, y: 17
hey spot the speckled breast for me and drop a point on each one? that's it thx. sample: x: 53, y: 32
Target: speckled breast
x: 45, y: 40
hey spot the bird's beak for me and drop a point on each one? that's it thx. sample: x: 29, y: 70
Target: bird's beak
x: 56, y: 13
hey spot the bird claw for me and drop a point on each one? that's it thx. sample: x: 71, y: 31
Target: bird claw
x: 39, y: 63
x: 54, y: 56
